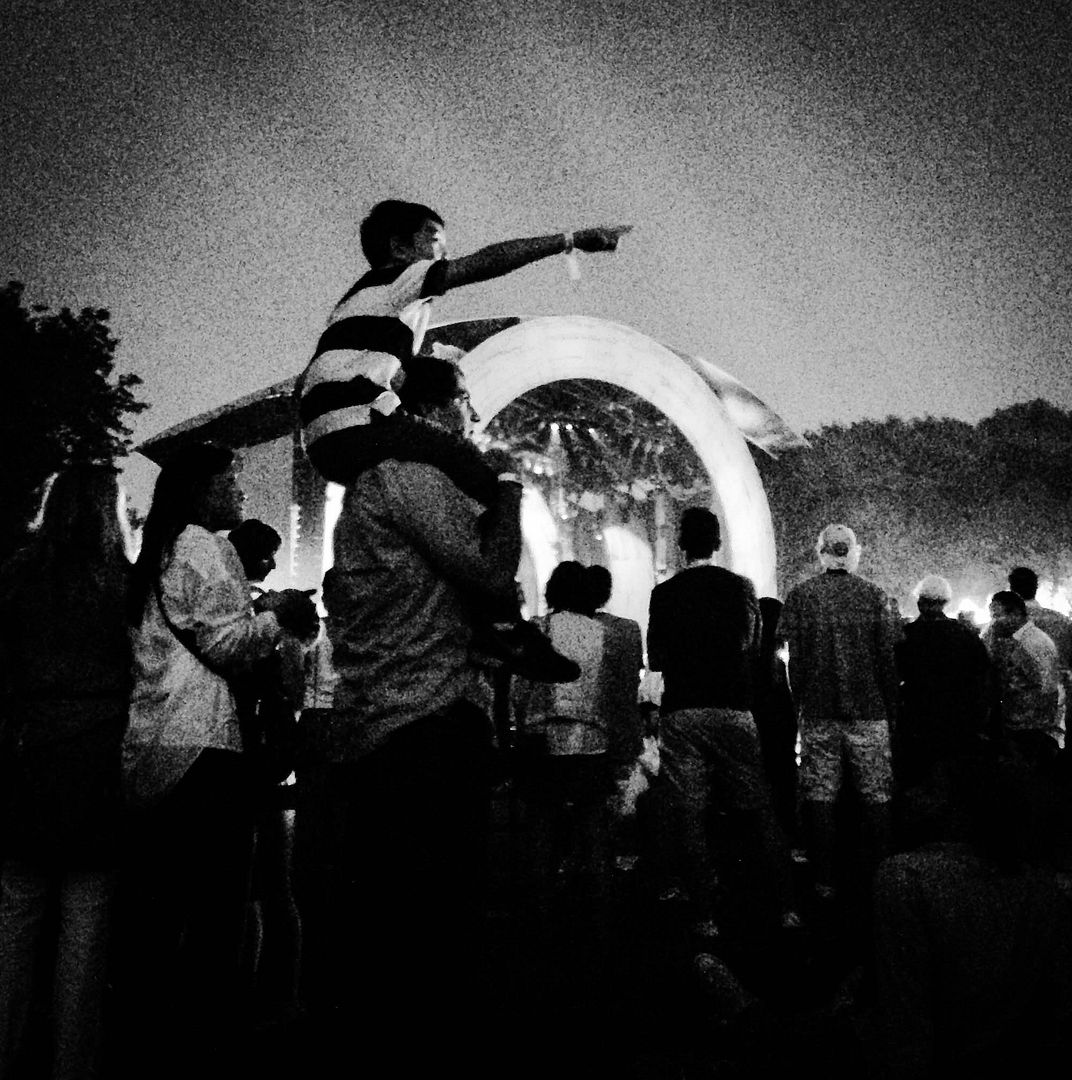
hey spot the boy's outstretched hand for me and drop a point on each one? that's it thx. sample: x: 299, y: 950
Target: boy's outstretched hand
x: 601, y: 238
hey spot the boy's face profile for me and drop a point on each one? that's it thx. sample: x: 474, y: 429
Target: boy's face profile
x: 428, y: 242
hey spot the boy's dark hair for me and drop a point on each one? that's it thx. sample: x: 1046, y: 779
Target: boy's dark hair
x: 1010, y: 602
x: 254, y: 539
x: 429, y: 383
x: 600, y: 585
x: 390, y: 219
x: 1024, y: 581
x: 699, y: 535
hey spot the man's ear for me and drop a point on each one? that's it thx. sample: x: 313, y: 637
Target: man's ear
x: 400, y: 247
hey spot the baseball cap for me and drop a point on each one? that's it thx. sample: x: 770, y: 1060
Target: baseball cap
x: 837, y: 548
x: 934, y: 587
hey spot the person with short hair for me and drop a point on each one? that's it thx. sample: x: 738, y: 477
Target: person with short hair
x: 703, y: 635
x: 945, y: 676
x: 625, y: 646
x: 1024, y: 581
x: 408, y: 760
x: 566, y: 771
x: 257, y: 544
x: 842, y: 670
x: 1027, y: 668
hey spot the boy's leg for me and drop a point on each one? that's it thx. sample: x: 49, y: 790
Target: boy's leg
x: 343, y: 455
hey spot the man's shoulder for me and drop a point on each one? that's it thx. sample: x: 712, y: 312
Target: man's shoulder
x: 619, y: 627
x: 618, y: 622
x: 1048, y: 619
x: 713, y: 577
x: 195, y: 544
x: 416, y: 485
x: 803, y: 589
x: 1038, y: 639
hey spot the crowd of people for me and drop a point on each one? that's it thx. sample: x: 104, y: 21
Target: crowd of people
x: 202, y: 850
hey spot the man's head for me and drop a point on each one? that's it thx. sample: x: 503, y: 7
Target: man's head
x: 838, y: 549
x: 1007, y: 613
x: 933, y: 593
x: 402, y: 232
x: 257, y: 545
x: 568, y: 590
x: 1024, y: 582
x: 699, y: 535
x: 435, y: 390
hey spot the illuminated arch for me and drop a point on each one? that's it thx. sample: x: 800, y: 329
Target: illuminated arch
x: 537, y: 351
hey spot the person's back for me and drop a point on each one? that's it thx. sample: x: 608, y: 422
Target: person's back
x: 842, y: 672
x: 400, y: 626
x: 840, y: 648
x: 944, y: 671
x: 702, y: 635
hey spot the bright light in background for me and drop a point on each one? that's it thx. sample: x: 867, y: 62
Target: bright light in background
x: 505, y: 366
x: 1050, y: 595
x: 333, y: 494
x: 980, y: 615
x: 541, y: 538
x: 1054, y: 596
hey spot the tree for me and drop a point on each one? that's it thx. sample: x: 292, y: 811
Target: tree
x: 60, y: 404
x: 932, y: 495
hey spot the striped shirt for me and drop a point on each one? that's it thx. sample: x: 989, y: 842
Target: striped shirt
x: 379, y: 323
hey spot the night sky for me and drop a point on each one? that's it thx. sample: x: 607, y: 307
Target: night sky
x: 857, y: 208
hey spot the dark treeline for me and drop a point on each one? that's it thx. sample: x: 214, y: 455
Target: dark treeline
x: 932, y: 495
x: 62, y: 401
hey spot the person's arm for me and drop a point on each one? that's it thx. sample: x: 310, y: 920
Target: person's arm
x: 205, y: 594
x: 656, y: 636
x: 495, y: 260
x: 440, y: 522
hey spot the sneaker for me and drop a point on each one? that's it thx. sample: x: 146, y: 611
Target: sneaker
x: 527, y: 651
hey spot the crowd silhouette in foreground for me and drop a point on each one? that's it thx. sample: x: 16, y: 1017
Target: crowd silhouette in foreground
x: 422, y: 834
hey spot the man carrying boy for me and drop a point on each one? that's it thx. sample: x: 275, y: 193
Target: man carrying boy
x: 348, y: 393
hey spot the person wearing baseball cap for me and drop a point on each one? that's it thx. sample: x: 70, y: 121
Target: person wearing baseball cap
x: 841, y: 635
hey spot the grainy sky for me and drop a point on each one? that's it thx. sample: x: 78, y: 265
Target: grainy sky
x: 858, y: 208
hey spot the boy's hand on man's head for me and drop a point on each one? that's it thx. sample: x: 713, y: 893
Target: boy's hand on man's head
x: 600, y: 238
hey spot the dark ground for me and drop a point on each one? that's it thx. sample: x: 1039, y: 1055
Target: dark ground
x: 621, y: 995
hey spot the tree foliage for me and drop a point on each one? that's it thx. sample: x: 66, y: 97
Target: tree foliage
x: 60, y: 402
x: 932, y: 495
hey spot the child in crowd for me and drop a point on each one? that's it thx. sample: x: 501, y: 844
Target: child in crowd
x: 348, y: 394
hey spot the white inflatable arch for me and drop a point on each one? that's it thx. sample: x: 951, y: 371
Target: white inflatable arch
x: 537, y: 351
